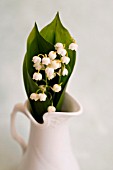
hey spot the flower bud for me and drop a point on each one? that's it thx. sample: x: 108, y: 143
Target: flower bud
x: 56, y: 88
x: 42, y: 88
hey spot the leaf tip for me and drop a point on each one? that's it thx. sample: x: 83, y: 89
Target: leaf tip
x: 57, y: 15
x: 35, y: 24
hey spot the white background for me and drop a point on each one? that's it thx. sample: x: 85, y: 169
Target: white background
x: 91, y: 23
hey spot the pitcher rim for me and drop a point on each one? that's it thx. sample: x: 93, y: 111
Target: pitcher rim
x: 74, y: 113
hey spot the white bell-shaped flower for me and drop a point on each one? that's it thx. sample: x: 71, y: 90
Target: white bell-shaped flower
x: 58, y: 45
x: 37, y: 66
x: 65, y: 72
x: 73, y: 46
x: 51, y: 109
x: 36, y: 59
x: 52, y: 55
x: 65, y: 59
x: 42, y: 96
x: 34, y: 96
x: 37, y: 76
x: 55, y: 64
x: 61, y: 51
x: 52, y: 76
x: 56, y: 88
x: 49, y: 71
x: 46, y: 61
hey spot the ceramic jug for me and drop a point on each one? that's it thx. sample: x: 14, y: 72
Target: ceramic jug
x: 49, y: 146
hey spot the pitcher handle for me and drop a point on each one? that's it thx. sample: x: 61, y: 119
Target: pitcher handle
x: 18, y: 108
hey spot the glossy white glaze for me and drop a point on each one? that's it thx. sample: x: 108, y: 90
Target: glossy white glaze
x: 49, y: 146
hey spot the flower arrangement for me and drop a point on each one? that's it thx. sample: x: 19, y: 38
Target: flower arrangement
x: 47, y: 67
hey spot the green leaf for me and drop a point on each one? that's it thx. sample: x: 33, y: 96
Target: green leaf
x: 53, y: 33
x: 35, y: 45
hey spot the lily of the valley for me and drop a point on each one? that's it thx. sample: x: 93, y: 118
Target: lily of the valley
x: 42, y: 96
x: 65, y: 59
x: 65, y: 72
x: 37, y: 66
x: 73, y: 46
x: 50, y: 65
x: 55, y: 64
x: 52, y: 55
x: 46, y: 61
x: 52, y: 76
x: 56, y: 88
x: 58, y: 45
x: 34, y: 96
x: 51, y: 109
x: 36, y: 59
x: 49, y: 72
x: 61, y: 51
x: 37, y: 76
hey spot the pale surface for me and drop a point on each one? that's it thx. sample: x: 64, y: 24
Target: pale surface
x: 92, y: 24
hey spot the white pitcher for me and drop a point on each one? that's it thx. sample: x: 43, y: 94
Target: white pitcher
x: 49, y: 146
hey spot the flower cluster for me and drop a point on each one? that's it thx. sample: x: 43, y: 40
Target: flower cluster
x: 47, y: 67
